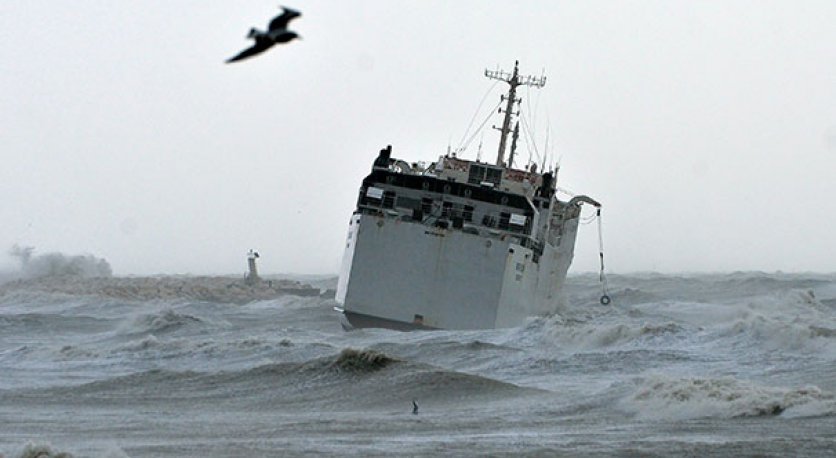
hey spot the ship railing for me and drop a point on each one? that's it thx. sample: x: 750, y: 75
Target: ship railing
x: 446, y: 219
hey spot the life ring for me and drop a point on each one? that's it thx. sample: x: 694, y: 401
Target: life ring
x: 605, y: 300
x: 447, y: 189
x: 425, y: 185
x: 504, y: 200
x: 467, y: 193
x: 390, y: 179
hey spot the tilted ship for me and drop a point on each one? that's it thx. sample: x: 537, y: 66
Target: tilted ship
x: 458, y: 244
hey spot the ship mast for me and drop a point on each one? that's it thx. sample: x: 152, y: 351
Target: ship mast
x: 513, y: 80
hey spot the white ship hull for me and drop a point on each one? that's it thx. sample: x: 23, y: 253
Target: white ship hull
x: 401, y: 274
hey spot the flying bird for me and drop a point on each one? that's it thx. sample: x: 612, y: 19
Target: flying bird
x: 276, y: 33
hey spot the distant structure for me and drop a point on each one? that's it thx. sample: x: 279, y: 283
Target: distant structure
x: 252, y: 275
x: 276, y: 33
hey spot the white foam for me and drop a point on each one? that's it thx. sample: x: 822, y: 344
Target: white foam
x: 563, y: 332
x: 662, y: 397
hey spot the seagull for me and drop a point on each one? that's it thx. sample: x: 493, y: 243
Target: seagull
x: 276, y: 33
x: 414, y: 407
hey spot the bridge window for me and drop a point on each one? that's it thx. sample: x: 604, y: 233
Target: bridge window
x: 480, y: 173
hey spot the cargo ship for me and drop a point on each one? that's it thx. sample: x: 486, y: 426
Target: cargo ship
x: 457, y: 243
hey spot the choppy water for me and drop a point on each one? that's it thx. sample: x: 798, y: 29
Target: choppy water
x: 710, y: 365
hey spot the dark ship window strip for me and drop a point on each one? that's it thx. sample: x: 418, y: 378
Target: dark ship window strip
x: 432, y: 184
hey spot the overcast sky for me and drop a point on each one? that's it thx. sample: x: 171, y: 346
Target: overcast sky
x: 706, y: 128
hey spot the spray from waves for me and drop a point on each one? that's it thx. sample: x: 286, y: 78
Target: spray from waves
x: 661, y: 397
x: 58, y: 264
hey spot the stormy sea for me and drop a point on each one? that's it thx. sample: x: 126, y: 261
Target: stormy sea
x: 737, y: 364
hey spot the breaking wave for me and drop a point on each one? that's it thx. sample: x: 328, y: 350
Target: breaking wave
x: 793, y: 320
x: 726, y: 397
x: 362, y: 360
x: 351, y: 379
x: 589, y: 333
x: 162, y: 321
x: 33, y: 450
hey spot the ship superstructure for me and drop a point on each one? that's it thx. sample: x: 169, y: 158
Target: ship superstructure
x: 457, y: 244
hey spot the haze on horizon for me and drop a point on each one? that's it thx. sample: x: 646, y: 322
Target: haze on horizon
x: 707, y: 129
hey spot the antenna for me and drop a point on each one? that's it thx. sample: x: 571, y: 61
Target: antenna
x: 513, y: 79
x: 479, y: 152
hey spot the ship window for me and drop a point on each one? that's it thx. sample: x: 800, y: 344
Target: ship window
x: 388, y: 199
x: 479, y: 174
x: 408, y: 202
x: 494, y: 176
x: 427, y: 205
x: 468, y: 213
x: 374, y: 193
x: 504, y: 218
x: 446, y: 209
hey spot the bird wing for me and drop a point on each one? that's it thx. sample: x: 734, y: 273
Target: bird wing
x: 281, y: 21
x: 259, y: 47
x: 284, y: 36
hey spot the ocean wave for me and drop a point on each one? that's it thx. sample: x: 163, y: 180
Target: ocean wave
x: 73, y: 352
x: 632, y: 296
x: 27, y: 323
x: 161, y: 321
x: 793, y: 320
x: 351, y: 379
x: 585, y: 334
x: 660, y: 397
x: 362, y: 360
x: 149, y: 342
x: 207, y: 289
x: 42, y: 450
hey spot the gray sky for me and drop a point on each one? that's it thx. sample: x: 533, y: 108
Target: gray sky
x: 707, y: 129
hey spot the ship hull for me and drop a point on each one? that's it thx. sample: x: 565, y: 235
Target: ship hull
x: 406, y: 275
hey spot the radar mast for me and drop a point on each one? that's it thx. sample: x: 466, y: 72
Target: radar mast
x: 513, y: 80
